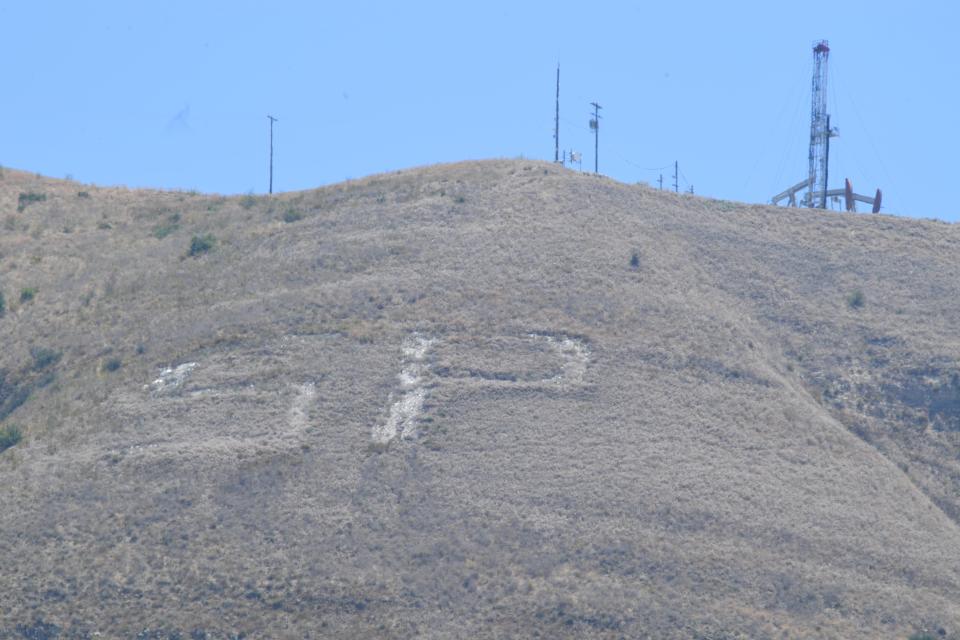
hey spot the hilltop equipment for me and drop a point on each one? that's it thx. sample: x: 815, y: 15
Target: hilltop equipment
x: 820, y: 133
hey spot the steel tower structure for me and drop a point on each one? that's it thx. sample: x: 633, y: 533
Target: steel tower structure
x: 819, y: 129
x: 816, y: 181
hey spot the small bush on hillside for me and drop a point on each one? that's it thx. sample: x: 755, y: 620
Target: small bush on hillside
x: 10, y: 435
x: 856, y: 299
x: 43, y: 357
x: 28, y: 198
x: 27, y: 294
x: 248, y: 201
x: 635, y: 260
x: 3, y: 304
x: 17, y: 395
x: 922, y: 636
x: 201, y: 244
x: 292, y: 215
x: 83, y: 194
x: 112, y: 364
x: 172, y: 223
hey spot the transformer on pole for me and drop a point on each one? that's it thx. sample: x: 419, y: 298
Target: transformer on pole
x: 816, y: 184
x: 595, y: 127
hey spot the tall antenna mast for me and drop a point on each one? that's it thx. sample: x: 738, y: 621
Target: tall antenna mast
x: 819, y: 128
x: 556, y: 122
x: 595, y: 125
x: 272, y: 120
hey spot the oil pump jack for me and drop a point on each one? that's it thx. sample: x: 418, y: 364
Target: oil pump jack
x: 820, y: 133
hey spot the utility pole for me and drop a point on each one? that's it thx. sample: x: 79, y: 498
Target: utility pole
x: 272, y: 120
x: 826, y: 165
x: 556, y: 122
x: 676, y: 176
x: 595, y: 125
x: 660, y: 182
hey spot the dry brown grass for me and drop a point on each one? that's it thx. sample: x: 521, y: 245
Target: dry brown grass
x: 746, y: 455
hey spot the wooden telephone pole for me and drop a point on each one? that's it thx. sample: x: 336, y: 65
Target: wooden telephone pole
x: 556, y: 122
x: 595, y: 125
x: 272, y: 120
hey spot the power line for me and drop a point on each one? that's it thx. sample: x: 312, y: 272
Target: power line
x: 849, y: 97
x: 791, y: 97
x: 637, y: 166
x: 791, y: 144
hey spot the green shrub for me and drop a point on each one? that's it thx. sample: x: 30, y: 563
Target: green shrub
x: 43, y: 357
x: 161, y: 231
x: 635, y: 260
x: 10, y: 435
x: 17, y: 396
x: 292, y: 215
x: 248, y: 201
x: 112, y: 364
x: 856, y: 299
x: 29, y: 198
x: 83, y: 194
x: 201, y: 244
x: 3, y: 304
x: 27, y: 294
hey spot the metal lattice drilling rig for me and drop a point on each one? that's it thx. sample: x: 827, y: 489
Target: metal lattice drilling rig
x: 820, y: 131
x: 817, y: 191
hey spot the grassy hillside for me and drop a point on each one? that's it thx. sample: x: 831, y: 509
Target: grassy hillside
x: 494, y: 399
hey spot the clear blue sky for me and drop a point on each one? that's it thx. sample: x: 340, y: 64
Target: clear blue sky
x: 175, y: 94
